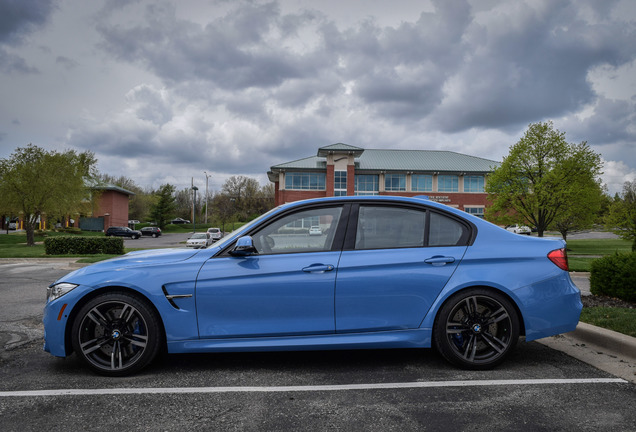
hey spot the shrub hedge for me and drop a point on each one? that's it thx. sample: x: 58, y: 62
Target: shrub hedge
x: 83, y: 245
x: 614, y: 276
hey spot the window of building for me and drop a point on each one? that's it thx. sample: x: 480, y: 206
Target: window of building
x: 366, y: 184
x: 421, y: 183
x: 476, y: 211
x: 474, y: 183
x: 394, y: 182
x: 447, y: 183
x: 305, y: 181
x: 340, y: 183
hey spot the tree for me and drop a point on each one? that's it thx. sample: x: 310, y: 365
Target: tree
x: 37, y: 183
x: 541, y: 177
x: 582, y: 212
x: 622, y: 214
x: 164, y: 209
x: 244, y: 191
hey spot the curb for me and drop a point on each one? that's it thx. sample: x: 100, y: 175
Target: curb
x: 619, y: 344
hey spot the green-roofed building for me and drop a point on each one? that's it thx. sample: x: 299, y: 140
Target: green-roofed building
x: 452, y: 178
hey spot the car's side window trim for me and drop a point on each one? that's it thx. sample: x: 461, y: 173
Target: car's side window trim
x: 339, y: 235
x: 466, y: 239
x: 468, y: 236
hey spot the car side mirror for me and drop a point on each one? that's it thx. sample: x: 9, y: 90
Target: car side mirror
x: 244, y: 247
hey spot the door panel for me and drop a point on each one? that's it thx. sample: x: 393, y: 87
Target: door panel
x: 270, y: 295
x: 402, y: 258
x: 285, y: 288
x: 388, y: 289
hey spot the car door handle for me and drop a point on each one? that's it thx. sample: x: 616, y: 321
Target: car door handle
x: 439, y: 260
x: 318, y: 268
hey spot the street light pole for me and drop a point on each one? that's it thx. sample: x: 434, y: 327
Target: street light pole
x: 194, y: 209
x: 207, y: 176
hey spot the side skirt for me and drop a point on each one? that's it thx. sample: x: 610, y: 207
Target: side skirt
x: 418, y: 338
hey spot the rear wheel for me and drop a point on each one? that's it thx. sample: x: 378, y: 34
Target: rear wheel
x: 476, y: 329
x: 116, y: 334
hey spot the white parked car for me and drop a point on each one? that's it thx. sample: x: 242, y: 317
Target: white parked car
x: 315, y: 230
x: 215, y: 234
x: 519, y: 229
x: 199, y: 240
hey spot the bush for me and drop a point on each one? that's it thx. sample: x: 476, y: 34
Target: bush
x: 84, y: 245
x: 614, y: 276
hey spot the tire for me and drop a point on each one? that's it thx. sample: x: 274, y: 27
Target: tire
x: 154, y: 235
x: 476, y: 329
x: 116, y: 334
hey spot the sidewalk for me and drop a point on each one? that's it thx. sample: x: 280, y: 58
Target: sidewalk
x: 604, y: 349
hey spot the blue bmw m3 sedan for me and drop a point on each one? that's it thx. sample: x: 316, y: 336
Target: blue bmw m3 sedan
x: 383, y: 272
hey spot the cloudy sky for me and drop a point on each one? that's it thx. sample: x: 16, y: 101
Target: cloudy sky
x: 162, y: 91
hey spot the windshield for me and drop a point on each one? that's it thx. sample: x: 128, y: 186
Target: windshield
x: 198, y: 236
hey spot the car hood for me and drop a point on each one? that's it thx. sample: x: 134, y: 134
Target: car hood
x: 135, y: 259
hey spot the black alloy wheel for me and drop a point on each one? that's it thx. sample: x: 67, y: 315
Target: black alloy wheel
x: 116, y: 334
x: 476, y: 329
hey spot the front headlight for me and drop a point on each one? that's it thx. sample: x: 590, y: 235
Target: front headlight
x: 58, y: 290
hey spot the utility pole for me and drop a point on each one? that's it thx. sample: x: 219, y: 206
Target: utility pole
x: 207, y: 176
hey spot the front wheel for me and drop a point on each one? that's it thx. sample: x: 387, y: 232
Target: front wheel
x: 116, y: 334
x: 476, y: 329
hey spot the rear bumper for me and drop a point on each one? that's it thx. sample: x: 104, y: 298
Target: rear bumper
x: 552, y: 307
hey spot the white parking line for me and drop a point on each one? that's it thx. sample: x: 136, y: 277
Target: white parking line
x: 425, y: 384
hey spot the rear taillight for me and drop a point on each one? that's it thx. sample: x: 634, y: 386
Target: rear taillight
x: 560, y: 258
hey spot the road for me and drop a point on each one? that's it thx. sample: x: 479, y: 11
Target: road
x: 536, y: 389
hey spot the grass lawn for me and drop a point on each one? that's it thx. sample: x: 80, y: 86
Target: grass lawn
x: 598, y: 246
x: 578, y: 249
x: 622, y: 320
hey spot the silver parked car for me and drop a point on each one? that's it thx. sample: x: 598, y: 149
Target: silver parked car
x: 199, y: 240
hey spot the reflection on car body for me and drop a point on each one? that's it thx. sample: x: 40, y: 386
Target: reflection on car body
x: 386, y: 272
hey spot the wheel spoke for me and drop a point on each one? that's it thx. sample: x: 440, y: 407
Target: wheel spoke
x: 456, y: 327
x: 127, y: 313
x: 136, y: 339
x: 498, y: 315
x: 471, y: 348
x: 98, y: 343
x: 116, y: 356
x: 96, y: 316
x: 496, y: 343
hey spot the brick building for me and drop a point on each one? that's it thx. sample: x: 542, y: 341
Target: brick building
x: 454, y: 179
x: 110, y: 209
x: 112, y: 205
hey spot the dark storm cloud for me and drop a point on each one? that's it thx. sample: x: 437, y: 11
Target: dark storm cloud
x: 611, y: 123
x: 457, y: 69
x: 231, y: 52
x: 11, y: 63
x: 18, y: 18
x: 529, y: 64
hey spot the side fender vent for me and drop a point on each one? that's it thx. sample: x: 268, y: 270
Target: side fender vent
x: 171, y: 298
